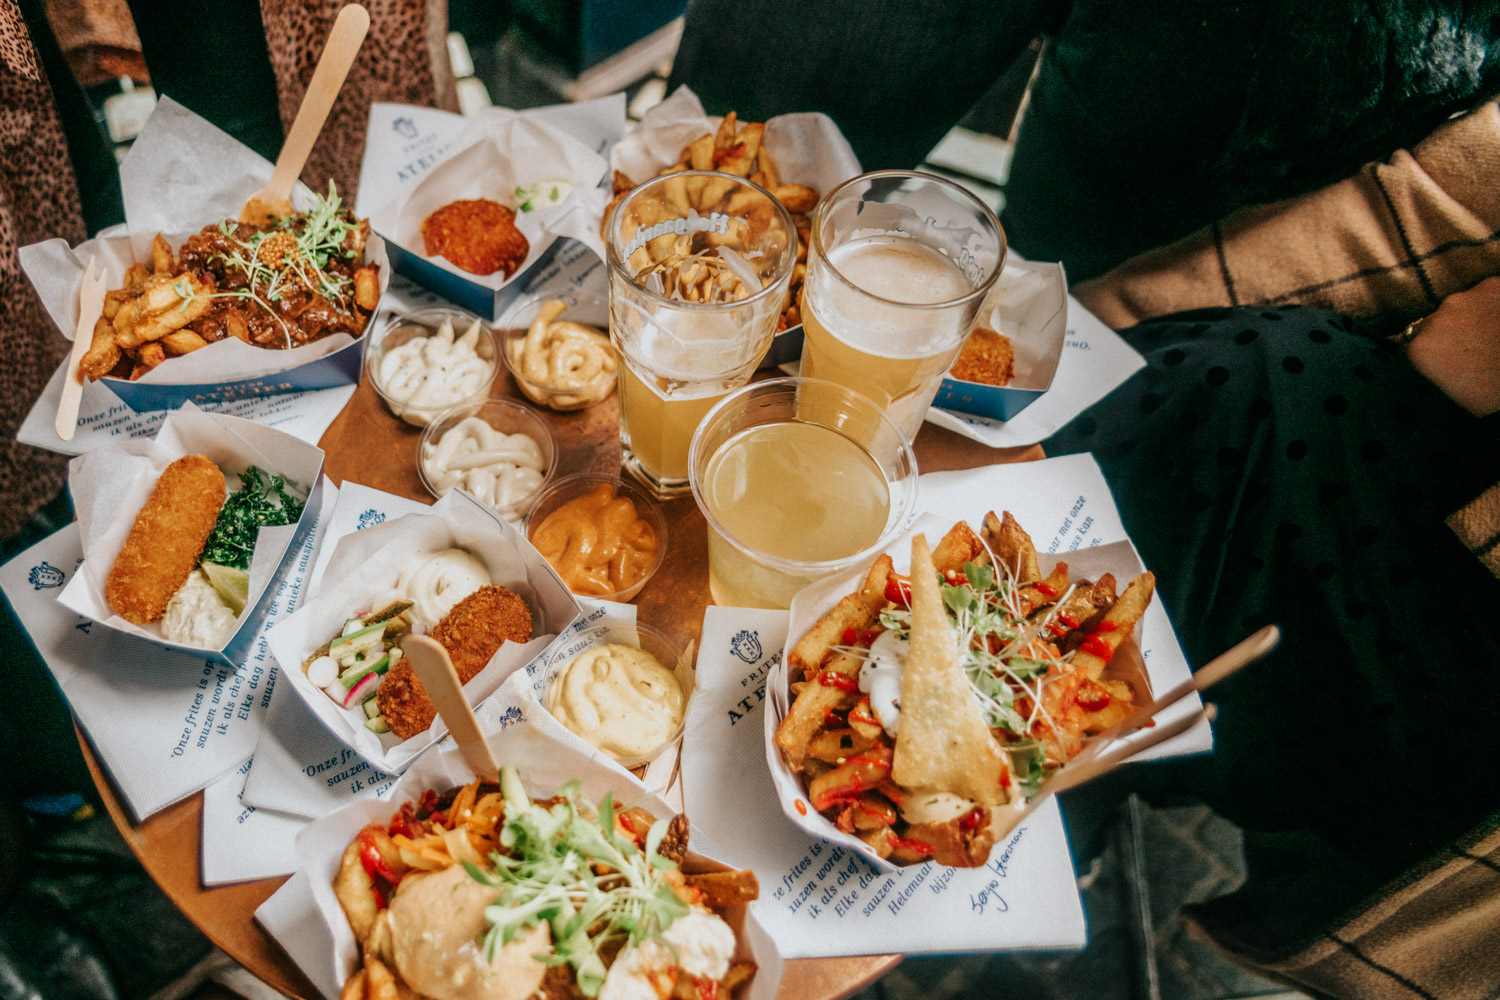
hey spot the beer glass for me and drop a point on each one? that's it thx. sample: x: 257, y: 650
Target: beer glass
x: 798, y: 479
x: 898, y: 266
x: 699, y: 264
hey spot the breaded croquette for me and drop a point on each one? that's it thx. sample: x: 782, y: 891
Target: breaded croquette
x: 471, y: 633
x: 166, y: 540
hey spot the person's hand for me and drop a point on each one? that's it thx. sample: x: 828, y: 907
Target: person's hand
x: 1458, y: 348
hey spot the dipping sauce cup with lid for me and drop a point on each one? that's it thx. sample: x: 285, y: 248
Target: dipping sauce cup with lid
x: 427, y: 361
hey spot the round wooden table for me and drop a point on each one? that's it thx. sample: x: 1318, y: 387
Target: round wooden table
x: 365, y: 444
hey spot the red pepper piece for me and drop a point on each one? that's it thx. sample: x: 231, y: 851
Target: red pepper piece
x: 1104, y: 626
x: 375, y: 866
x: 868, y: 636
x: 898, y: 591
x: 1005, y: 778
x: 834, y: 679
x: 708, y: 989
x: 1069, y: 621
x: 969, y: 821
x: 850, y: 636
x: 862, y: 714
x: 1098, y: 647
x: 1093, y: 697
x: 1046, y: 588
x: 914, y: 846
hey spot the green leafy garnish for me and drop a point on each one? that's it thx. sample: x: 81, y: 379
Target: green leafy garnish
x: 262, y: 501
x: 551, y: 871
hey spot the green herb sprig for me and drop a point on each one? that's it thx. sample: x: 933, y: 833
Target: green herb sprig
x: 262, y: 501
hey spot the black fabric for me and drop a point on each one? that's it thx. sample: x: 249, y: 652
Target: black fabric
x: 1282, y: 466
x: 210, y: 56
x: 895, y: 76
x: 1146, y: 121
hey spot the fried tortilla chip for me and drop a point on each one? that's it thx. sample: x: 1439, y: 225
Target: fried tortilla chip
x: 943, y: 743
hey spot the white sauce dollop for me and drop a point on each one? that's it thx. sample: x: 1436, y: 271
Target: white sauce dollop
x: 880, y: 678
x: 704, y: 944
x: 434, y: 583
x: 503, y: 470
x: 427, y: 374
x: 197, y: 616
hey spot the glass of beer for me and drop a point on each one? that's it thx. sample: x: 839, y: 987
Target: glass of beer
x: 699, y: 264
x: 798, y: 479
x: 898, y: 266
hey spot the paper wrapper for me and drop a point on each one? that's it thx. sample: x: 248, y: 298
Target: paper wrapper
x: 818, y: 599
x: 545, y: 764
x: 365, y: 565
x: 183, y: 174
x: 111, y: 484
x: 494, y: 155
x: 808, y: 147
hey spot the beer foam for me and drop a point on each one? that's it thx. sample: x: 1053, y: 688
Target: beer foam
x: 901, y: 270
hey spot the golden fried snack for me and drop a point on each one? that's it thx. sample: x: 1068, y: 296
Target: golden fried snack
x: 987, y: 357
x: 944, y: 744
x: 477, y: 235
x: 168, y: 536
x: 471, y: 633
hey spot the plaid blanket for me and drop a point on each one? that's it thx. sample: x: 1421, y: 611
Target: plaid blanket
x: 1390, y: 242
x: 1432, y: 933
x: 1387, y: 244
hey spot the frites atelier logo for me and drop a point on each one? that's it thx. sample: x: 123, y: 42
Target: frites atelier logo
x: 714, y: 222
x: 45, y: 575
x: 746, y: 645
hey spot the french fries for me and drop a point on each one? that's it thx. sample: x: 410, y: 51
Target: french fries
x: 281, y: 285
x: 923, y: 707
x: 737, y: 149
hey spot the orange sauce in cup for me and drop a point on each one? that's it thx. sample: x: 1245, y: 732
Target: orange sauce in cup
x: 598, y: 543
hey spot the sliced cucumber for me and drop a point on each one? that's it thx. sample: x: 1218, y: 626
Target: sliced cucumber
x: 372, y: 710
x: 377, y: 724
x: 353, y: 677
x: 368, y: 637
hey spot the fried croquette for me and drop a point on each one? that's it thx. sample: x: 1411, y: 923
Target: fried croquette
x: 477, y: 235
x: 168, y: 536
x: 987, y: 357
x: 471, y: 633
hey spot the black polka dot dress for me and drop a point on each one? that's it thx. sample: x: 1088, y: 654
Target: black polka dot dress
x: 1287, y: 466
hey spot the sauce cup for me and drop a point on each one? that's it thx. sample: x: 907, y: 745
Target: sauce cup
x: 666, y: 652
x: 569, y: 488
x: 513, y: 327
x: 506, y: 416
x: 423, y: 323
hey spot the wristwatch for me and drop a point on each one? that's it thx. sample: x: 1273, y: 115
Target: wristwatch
x: 1409, y: 332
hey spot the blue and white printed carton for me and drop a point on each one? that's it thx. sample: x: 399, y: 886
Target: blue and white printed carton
x: 491, y: 155
x: 111, y: 484
x: 364, y: 568
x: 1030, y: 307
x: 182, y: 174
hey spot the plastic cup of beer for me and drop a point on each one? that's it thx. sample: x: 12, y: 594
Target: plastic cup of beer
x: 898, y: 266
x: 699, y: 264
x: 798, y: 479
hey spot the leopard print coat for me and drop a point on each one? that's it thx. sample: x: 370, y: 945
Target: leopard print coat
x: 404, y: 59
x: 38, y: 200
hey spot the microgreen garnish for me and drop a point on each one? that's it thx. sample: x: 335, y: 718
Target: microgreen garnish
x: 568, y: 865
x: 316, y: 236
